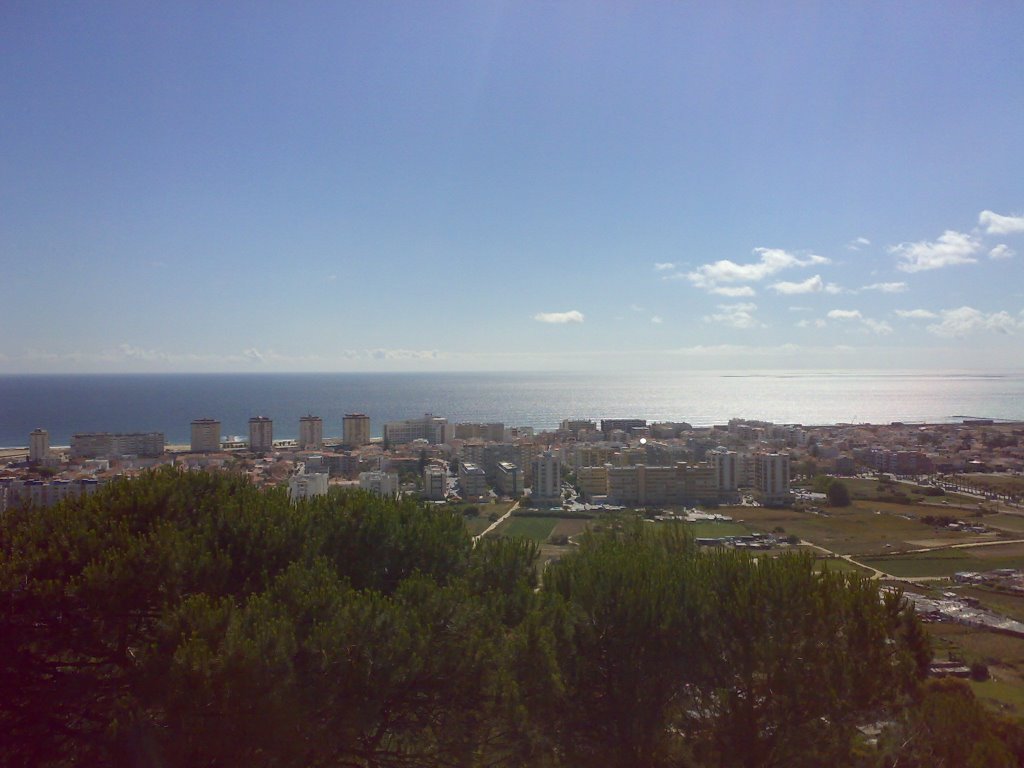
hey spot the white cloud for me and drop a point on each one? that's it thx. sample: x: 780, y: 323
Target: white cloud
x: 131, y: 352
x: 810, y: 285
x: 876, y: 326
x: 663, y: 266
x: 965, y: 320
x: 572, y: 316
x: 636, y: 308
x: 403, y: 354
x: 995, y: 224
x: 656, y: 320
x: 1002, y: 251
x: 807, y: 323
x: 770, y: 261
x: 735, y: 315
x: 950, y: 249
x: 886, y: 287
x: 916, y: 314
x: 736, y: 292
x: 858, y: 243
x: 254, y: 354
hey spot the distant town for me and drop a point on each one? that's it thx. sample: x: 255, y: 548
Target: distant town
x: 624, y: 462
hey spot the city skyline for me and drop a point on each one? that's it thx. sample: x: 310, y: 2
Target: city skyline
x: 492, y: 186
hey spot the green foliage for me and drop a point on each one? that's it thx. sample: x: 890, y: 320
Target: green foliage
x: 191, y: 619
x: 948, y: 726
x: 838, y: 494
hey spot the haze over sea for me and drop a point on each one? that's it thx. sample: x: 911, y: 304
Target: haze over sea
x: 65, y: 404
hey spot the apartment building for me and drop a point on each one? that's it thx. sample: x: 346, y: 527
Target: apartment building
x: 508, y: 479
x: 205, y: 435
x: 435, y: 483
x: 107, y: 445
x: 355, y: 430
x: 472, y: 481
x: 261, y: 434
x: 379, y: 483
x: 38, y: 445
x: 771, y: 479
x: 307, y: 486
x: 433, y: 429
x: 311, y: 433
x: 547, y: 479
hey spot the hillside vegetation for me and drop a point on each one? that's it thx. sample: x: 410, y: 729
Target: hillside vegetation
x: 192, y: 619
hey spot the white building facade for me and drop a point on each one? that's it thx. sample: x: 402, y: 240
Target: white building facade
x: 379, y: 483
x: 771, y: 479
x: 547, y: 479
x: 307, y: 486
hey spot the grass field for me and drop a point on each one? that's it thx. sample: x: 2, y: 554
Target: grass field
x: 1009, y: 522
x: 948, y: 561
x: 714, y: 530
x: 943, y: 563
x: 863, y: 529
x: 537, y: 528
x: 476, y: 525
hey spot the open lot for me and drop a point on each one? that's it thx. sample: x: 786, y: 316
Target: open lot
x: 946, y: 562
x: 1009, y: 605
x: 1004, y: 655
x: 864, y: 529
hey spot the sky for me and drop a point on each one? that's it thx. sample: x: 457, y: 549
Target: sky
x: 352, y: 186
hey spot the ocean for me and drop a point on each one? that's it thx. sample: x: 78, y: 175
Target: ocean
x: 66, y: 404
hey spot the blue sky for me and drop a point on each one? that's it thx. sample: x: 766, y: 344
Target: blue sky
x: 491, y: 186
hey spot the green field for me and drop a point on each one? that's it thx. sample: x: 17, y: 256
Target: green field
x: 944, y: 563
x: 537, y: 528
x: 714, y: 530
x: 941, y: 563
x: 476, y: 525
x: 1009, y: 522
